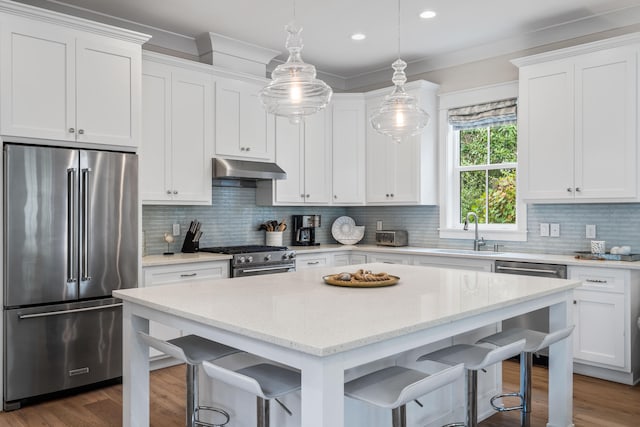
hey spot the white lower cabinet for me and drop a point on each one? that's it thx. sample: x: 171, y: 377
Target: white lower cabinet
x: 314, y: 260
x: 388, y: 258
x: 348, y: 259
x: 178, y: 273
x: 606, y: 340
x: 457, y: 263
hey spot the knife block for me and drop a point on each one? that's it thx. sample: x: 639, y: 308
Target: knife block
x: 189, y: 246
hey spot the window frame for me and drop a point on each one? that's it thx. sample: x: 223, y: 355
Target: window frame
x: 450, y: 226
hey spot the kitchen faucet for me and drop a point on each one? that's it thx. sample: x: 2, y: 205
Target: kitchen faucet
x: 477, y: 243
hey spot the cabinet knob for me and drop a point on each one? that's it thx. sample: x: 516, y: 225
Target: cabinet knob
x: 569, y: 190
x: 578, y: 189
x: 391, y: 194
x: 335, y: 196
x: 175, y: 191
x: 71, y: 130
x: 386, y: 195
x: 307, y: 196
x: 168, y: 191
x: 302, y: 195
x: 248, y: 148
x: 81, y: 131
x: 575, y: 302
x: 242, y: 148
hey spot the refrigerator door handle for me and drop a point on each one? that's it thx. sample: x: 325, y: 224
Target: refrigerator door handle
x: 85, y: 275
x: 71, y: 221
x: 75, y: 310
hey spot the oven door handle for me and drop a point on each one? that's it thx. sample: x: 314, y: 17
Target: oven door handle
x: 260, y: 269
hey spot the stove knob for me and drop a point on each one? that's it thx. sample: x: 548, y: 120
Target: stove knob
x: 284, y: 257
x: 241, y: 260
x: 250, y: 259
x: 267, y: 257
x: 292, y: 255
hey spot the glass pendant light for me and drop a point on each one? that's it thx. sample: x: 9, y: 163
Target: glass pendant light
x: 399, y: 116
x: 294, y: 90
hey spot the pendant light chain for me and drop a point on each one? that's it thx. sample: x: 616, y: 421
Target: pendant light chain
x: 398, y: 29
x: 399, y: 116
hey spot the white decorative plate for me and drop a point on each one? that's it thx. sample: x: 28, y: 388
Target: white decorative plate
x: 345, y: 231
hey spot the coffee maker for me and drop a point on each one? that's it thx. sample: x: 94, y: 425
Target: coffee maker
x: 304, y: 230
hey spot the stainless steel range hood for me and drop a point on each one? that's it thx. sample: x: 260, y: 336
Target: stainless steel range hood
x: 244, y: 170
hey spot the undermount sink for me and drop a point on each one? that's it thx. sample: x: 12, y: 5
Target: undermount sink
x: 465, y: 252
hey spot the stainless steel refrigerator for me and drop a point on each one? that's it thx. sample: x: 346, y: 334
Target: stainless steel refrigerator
x: 70, y: 238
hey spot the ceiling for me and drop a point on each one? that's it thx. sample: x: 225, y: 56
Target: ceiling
x: 462, y: 30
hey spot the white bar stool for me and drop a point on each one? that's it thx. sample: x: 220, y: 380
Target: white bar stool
x: 535, y: 341
x: 264, y: 380
x: 474, y: 357
x: 395, y: 386
x: 193, y: 350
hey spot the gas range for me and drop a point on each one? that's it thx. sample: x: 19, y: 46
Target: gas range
x: 252, y: 260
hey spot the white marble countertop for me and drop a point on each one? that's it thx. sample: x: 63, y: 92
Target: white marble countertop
x: 299, y: 311
x: 182, y: 258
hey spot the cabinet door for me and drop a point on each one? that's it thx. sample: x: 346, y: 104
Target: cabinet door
x: 457, y: 263
x: 599, y: 335
x: 243, y: 128
x: 389, y: 258
x: 348, y: 152
x: 290, y: 157
x: 545, y: 131
x: 378, y: 161
x: 605, y: 127
x: 108, y: 92
x: 317, y: 158
x: 256, y: 126
x: 191, y: 135
x: 37, y: 80
x: 405, y: 162
x: 155, y: 149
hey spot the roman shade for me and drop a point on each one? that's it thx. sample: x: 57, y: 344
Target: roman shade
x: 483, y: 115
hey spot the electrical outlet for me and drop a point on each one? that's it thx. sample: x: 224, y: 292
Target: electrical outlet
x: 379, y: 225
x: 590, y: 231
x: 555, y: 230
x: 176, y: 229
x: 544, y: 230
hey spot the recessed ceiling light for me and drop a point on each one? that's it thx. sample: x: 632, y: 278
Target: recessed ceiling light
x: 358, y: 36
x: 427, y: 14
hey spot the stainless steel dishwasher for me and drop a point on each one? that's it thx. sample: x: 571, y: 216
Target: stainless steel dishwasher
x: 537, y: 320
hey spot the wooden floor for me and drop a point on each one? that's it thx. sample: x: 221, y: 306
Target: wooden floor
x: 596, y: 403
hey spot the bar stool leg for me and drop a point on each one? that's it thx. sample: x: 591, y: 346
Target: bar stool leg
x: 526, y: 369
x: 399, y: 416
x: 472, y: 398
x: 263, y: 411
x: 192, y: 395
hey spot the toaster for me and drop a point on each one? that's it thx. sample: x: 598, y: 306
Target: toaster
x: 392, y: 238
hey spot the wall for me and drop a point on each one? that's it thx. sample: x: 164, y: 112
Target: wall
x: 234, y: 219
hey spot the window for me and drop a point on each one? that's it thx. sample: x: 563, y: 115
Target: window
x: 478, y: 140
x: 486, y: 173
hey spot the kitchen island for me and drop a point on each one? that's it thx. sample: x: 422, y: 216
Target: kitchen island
x: 297, y: 320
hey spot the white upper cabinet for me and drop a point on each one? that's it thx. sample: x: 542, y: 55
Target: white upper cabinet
x: 244, y: 130
x: 63, y: 82
x: 177, y: 141
x: 577, y: 119
x: 403, y: 173
x: 304, y: 152
x: 348, y: 149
